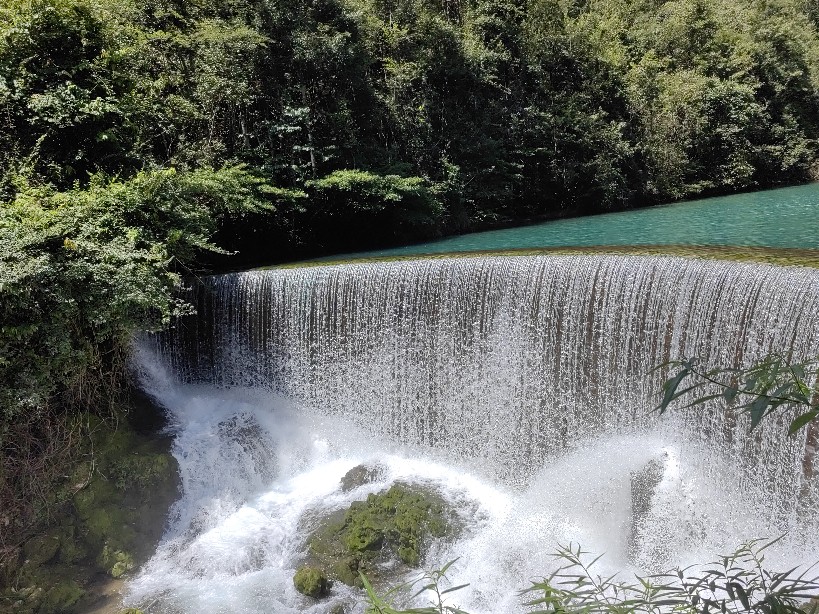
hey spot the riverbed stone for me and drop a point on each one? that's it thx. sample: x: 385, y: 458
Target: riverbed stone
x: 311, y: 582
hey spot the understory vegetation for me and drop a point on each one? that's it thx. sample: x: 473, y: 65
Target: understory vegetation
x: 736, y: 582
x: 773, y: 384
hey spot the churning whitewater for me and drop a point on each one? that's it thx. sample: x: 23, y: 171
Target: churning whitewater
x: 519, y: 388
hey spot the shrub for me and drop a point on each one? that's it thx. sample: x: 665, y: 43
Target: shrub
x: 353, y: 208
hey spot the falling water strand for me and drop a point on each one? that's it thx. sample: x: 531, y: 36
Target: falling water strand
x: 507, y: 359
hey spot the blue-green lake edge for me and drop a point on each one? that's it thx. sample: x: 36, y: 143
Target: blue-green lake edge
x: 780, y: 226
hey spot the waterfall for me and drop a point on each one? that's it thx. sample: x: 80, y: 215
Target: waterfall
x: 523, y: 371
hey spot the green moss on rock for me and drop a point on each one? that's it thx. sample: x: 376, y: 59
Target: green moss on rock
x: 395, y: 524
x: 346, y: 570
x: 115, y: 562
x: 111, y: 509
x: 311, y: 581
x: 61, y: 597
x: 41, y: 549
x: 140, y: 469
x: 72, y: 547
x: 400, y: 519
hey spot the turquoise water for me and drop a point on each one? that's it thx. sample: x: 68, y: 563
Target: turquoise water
x: 782, y: 218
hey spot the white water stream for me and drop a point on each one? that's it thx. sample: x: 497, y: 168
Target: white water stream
x: 517, y: 387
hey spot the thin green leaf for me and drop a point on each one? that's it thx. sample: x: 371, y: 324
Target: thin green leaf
x: 802, y: 421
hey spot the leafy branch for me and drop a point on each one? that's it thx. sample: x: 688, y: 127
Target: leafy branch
x: 735, y: 583
x: 770, y: 385
x: 430, y: 582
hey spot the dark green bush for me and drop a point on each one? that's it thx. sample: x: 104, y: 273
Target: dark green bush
x: 353, y: 208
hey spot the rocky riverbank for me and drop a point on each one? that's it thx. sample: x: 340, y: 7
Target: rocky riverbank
x: 109, y: 511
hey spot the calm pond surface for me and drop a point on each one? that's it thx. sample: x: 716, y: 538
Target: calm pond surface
x: 781, y: 218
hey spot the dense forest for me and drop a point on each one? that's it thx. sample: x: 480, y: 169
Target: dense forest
x: 141, y: 140
x: 380, y: 121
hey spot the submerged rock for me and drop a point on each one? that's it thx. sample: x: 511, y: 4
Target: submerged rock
x: 61, y: 597
x: 383, y: 532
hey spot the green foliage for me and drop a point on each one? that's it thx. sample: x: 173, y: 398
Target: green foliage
x: 431, y: 583
x: 502, y: 109
x: 62, y: 108
x: 771, y: 385
x: 353, y: 208
x: 736, y: 582
x: 80, y: 270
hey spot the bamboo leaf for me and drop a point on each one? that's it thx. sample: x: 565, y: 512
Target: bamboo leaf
x: 803, y: 420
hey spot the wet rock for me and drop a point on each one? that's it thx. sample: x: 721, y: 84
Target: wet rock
x: 61, y: 597
x: 345, y: 570
x: 361, y: 475
x: 112, y: 516
x: 115, y: 562
x: 311, y: 582
x: 394, y: 526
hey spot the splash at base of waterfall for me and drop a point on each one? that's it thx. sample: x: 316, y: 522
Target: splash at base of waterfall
x: 254, y: 467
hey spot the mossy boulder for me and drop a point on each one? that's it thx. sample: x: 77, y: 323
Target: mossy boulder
x: 311, y: 582
x: 72, y: 546
x: 41, y: 549
x: 49, y: 588
x: 121, y: 501
x: 115, y: 562
x: 395, y: 525
x: 61, y: 597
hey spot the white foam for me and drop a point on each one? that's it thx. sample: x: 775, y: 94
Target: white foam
x: 256, y: 472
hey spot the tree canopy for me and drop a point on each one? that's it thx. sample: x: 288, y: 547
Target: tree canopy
x: 502, y: 109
